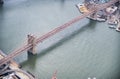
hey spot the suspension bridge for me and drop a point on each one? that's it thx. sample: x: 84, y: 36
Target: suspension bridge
x: 32, y: 42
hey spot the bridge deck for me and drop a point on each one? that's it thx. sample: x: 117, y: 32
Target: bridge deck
x: 56, y: 30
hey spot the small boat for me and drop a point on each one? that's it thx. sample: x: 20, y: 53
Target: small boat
x: 82, y: 8
x: 118, y: 27
x: 112, y: 20
x: 111, y: 9
x: 54, y: 75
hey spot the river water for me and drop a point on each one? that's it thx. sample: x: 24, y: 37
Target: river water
x: 85, y: 50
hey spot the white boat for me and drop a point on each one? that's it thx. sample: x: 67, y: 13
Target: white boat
x: 113, y: 22
x: 118, y: 27
x: 54, y: 75
x: 111, y: 9
x: 82, y: 8
x: 112, y: 18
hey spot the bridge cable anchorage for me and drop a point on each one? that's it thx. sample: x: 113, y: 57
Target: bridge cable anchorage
x: 28, y: 46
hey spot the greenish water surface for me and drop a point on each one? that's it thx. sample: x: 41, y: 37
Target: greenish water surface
x: 86, y: 49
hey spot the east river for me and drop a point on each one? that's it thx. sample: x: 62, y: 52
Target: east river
x: 87, y: 49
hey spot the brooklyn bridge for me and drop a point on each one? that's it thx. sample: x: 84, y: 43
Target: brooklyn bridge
x: 32, y: 41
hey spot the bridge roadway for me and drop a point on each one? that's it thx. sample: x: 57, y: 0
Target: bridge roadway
x: 26, y: 47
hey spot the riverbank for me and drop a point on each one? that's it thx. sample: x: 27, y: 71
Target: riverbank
x: 12, y: 70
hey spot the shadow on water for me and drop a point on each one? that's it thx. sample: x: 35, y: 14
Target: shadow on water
x: 1, y: 3
x: 1, y: 16
x: 31, y: 58
x: 117, y: 76
x: 62, y: 2
x: 90, y: 25
x: 1, y: 25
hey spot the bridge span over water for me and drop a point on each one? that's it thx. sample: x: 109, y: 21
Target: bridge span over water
x: 33, y: 42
